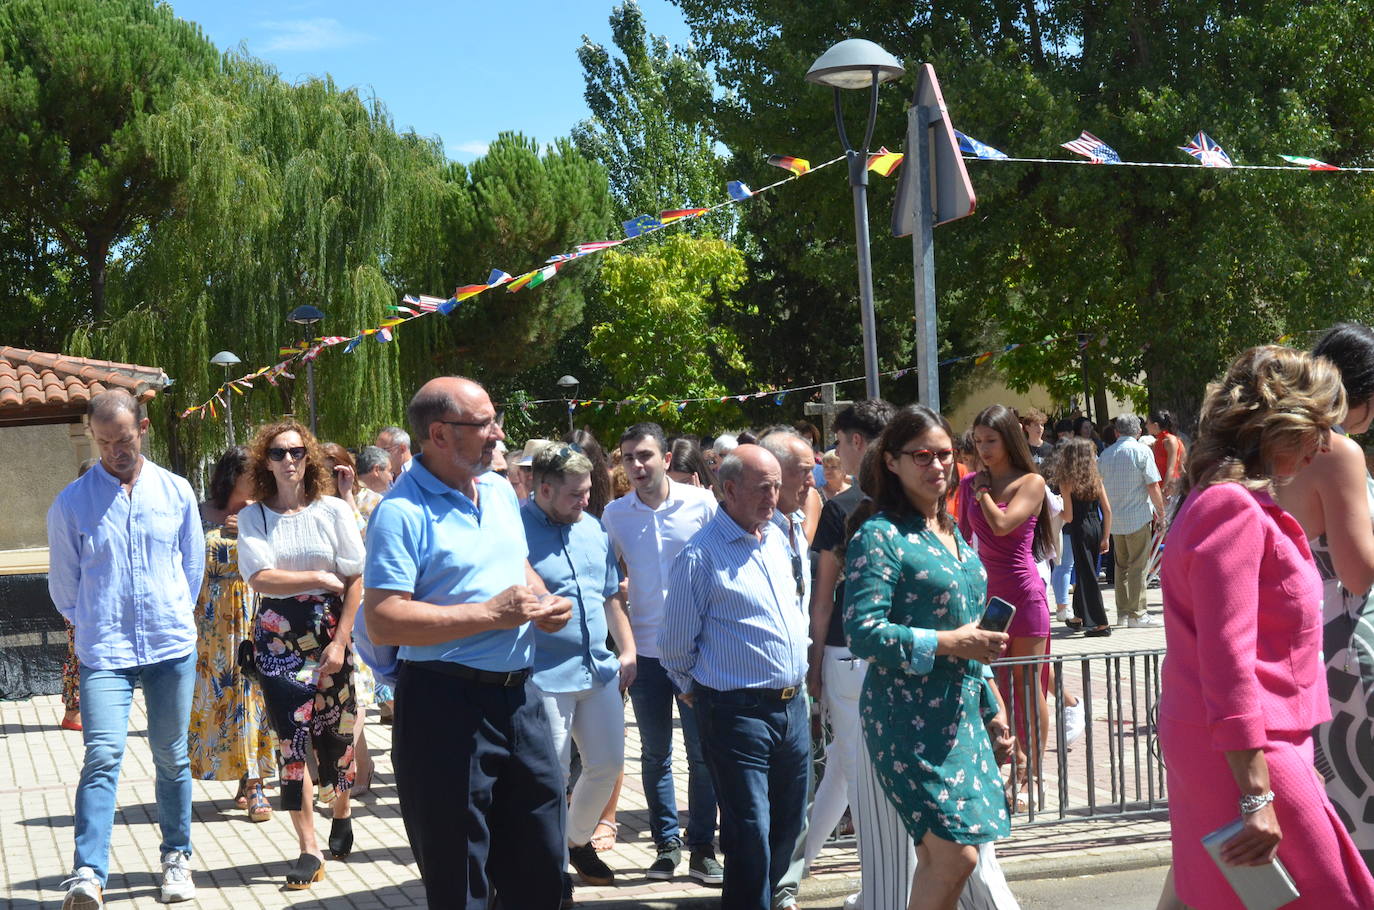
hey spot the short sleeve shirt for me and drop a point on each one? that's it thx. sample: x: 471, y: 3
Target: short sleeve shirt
x: 830, y: 536
x: 429, y: 539
x: 1128, y: 469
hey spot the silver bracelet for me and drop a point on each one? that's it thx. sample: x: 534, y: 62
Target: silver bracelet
x: 1249, y: 805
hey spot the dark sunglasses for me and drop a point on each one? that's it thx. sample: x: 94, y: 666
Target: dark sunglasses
x: 497, y: 419
x: 797, y: 574
x: 565, y: 453
x: 279, y: 454
x: 923, y: 458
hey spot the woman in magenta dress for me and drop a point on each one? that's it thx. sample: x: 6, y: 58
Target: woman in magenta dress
x: 1243, y: 684
x: 1004, y: 507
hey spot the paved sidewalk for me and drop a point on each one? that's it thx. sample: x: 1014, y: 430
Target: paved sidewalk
x: 241, y: 865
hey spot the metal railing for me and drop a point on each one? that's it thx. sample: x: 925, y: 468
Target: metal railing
x: 1115, y: 767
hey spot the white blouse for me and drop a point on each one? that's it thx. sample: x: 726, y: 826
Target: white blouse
x: 321, y: 537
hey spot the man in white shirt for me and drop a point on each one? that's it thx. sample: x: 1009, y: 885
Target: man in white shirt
x: 648, y: 527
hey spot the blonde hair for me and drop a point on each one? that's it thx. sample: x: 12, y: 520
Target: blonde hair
x: 1075, y: 463
x: 831, y: 460
x: 1273, y: 401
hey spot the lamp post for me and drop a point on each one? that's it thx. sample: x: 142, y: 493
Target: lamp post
x: 856, y: 64
x: 227, y: 359
x: 569, y: 382
x: 306, y: 316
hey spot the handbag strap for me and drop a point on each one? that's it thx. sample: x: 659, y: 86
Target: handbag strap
x: 257, y: 602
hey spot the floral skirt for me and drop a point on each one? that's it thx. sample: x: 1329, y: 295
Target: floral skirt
x: 308, y: 710
x: 71, y: 674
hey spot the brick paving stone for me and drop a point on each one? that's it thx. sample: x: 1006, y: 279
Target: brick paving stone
x: 241, y: 865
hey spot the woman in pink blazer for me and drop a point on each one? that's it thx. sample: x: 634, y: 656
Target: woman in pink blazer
x: 1243, y: 683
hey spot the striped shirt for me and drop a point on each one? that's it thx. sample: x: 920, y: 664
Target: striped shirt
x: 1128, y: 469
x: 734, y: 617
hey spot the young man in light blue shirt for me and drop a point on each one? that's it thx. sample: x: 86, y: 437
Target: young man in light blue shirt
x: 447, y: 580
x: 580, y: 681
x: 126, y: 557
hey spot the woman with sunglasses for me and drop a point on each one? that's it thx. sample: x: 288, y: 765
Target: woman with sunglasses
x: 914, y: 593
x: 300, y: 549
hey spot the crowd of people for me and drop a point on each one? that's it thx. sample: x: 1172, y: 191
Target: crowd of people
x: 500, y: 606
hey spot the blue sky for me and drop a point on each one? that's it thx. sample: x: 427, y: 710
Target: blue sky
x: 463, y: 70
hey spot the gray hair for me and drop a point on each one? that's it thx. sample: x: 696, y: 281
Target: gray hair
x: 1127, y: 425
x: 107, y: 405
x: 731, y: 469
x: 399, y: 436
x: 779, y: 441
x: 725, y: 443
x: 556, y: 461
x: 370, y: 458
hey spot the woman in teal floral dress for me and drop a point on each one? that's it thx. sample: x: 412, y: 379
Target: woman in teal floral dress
x: 914, y: 592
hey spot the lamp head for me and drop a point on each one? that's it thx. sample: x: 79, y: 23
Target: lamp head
x: 569, y: 382
x: 305, y: 315
x: 852, y: 64
x: 225, y: 359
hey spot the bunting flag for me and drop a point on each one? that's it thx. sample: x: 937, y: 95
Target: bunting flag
x: 497, y: 278
x: 970, y: 146
x: 353, y: 344
x: 885, y: 162
x: 388, y: 323
x: 596, y: 246
x: 679, y: 214
x: 1206, y: 150
x: 447, y: 306
x: 1312, y: 164
x: 641, y: 225
x: 1092, y: 148
x: 797, y: 166
x: 396, y: 307
x: 384, y: 335
x: 738, y: 190
x: 422, y: 302
x: 532, y: 279
x: 469, y: 290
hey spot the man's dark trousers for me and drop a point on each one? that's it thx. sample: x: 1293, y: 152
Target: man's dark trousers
x: 481, y: 791
x: 758, y: 749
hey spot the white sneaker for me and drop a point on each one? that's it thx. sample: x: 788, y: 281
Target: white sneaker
x: 1061, y: 614
x: 1144, y: 622
x: 1074, y: 722
x: 83, y: 891
x: 176, y: 877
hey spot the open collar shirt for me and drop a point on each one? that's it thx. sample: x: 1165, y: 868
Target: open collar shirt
x: 125, y: 568
x: 648, y: 541
x: 431, y: 540
x: 575, y: 561
x: 734, y: 617
x: 1128, y: 469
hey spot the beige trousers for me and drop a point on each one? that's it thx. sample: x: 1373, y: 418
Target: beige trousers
x: 1132, y: 554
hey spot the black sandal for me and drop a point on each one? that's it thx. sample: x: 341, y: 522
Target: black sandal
x: 307, y: 870
x: 1099, y: 632
x: 1075, y: 624
x: 341, y: 837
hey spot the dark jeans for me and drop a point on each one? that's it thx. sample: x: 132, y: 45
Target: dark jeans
x: 1087, y: 594
x: 481, y: 791
x: 759, y: 751
x: 652, y: 695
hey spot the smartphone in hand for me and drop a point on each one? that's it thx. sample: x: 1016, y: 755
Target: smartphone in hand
x: 997, y: 616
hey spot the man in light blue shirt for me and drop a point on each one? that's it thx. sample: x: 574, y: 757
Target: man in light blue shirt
x: 1131, y: 482
x: 126, y: 557
x: 580, y: 681
x: 734, y: 641
x: 447, y: 580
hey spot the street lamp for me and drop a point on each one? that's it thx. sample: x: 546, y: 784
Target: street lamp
x: 227, y: 359
x: 856, y: 64
x: 570, y: 382
x: 306, y: 316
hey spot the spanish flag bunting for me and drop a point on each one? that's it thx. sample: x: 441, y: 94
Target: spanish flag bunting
x: 982, y: 358
x: 885, y: 162
x: 797, y: 166
x: 679, y: 214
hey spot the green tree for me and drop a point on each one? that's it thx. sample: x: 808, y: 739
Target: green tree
x: 664, y: 337
x: 1171, y: 272
x: 80, y: 81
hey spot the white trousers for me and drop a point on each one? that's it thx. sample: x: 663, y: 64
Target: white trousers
x: 842, y: 681
x: 595, y: 720
x: 887, y: 858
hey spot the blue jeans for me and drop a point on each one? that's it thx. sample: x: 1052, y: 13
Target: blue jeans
x: 759, y: 750
x: 652, y: 695
x: 105, y: 699
x: 1062, y: 573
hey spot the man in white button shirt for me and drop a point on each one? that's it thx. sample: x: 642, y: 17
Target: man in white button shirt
x: 649, y: 526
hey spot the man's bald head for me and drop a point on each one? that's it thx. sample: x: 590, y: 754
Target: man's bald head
x: 750, y: 477
x: 107, y: 406
x: 440, y: 398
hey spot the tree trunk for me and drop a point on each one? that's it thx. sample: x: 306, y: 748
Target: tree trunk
x: 97, y: 252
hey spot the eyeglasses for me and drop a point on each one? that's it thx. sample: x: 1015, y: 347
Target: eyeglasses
x: 923, y: 458
x: 496, y: 420
x: 279, y: 454
x: 568, y: 451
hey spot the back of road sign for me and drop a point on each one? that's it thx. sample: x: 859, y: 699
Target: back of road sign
x: 950, y: 191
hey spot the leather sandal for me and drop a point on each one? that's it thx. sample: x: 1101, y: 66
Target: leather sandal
x: 259, y: 809
x: 341, y: 837
x: 307, y: 870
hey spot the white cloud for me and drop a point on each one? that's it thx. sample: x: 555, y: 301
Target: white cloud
x: 474, y: 148
x: 319, y: 34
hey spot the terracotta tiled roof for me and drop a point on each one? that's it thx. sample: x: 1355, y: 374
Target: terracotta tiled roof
x: 49, y: 385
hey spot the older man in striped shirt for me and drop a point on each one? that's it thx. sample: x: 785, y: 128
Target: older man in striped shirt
x: 734, y: 643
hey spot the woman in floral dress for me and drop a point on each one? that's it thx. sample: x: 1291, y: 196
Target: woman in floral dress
x: 230, y: 737
x: 914, y: 593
